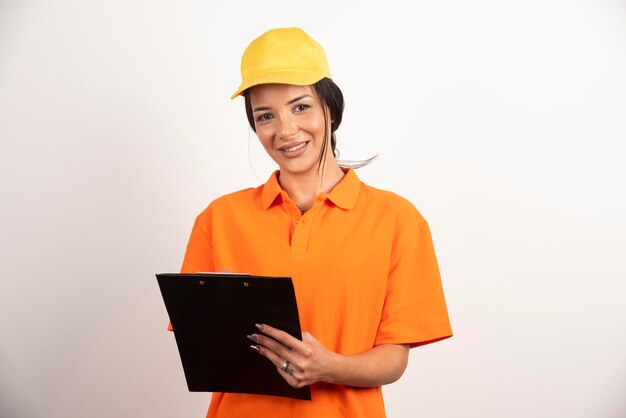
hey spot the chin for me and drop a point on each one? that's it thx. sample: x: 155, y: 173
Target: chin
x: 299, y: 168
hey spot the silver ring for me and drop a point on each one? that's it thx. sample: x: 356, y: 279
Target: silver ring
x: 286, y: 367
x: 289, y: 371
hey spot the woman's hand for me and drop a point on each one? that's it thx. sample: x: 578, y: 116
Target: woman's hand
x: 300, y: 363
x: 308, y: 361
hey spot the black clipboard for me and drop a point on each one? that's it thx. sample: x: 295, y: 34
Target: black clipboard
x: 211, y: 314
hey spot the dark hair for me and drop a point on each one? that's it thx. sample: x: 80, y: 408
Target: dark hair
x: 331, y: 98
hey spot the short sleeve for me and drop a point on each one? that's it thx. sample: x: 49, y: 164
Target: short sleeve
x: 415, y: 310
x: 198, y: 257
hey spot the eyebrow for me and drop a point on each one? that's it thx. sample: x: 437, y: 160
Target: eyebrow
x: 295, y: 99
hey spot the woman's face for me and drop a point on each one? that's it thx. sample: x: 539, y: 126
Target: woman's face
x: 289, y: 122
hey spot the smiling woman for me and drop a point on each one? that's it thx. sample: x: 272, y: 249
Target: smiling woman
x: 290, y: 122
x: 361, y: 259
x: 289, y: 119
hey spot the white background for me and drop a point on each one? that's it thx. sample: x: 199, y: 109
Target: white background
x: 503, y: 122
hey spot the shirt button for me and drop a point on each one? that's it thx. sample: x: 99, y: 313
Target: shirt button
x: 295, y: 223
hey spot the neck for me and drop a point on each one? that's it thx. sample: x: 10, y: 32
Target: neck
x: 303, y: 187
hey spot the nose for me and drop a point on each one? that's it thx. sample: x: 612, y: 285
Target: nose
x: 288, y: 127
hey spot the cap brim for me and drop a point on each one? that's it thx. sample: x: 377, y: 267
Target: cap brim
x: 298, y: 78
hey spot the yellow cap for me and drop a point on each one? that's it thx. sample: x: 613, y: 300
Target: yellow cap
x: 282, y: 56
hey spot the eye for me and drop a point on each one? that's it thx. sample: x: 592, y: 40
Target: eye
x: 301, y: 107
x: 264, y: 117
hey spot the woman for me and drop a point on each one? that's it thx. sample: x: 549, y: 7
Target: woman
x: 361, y: 259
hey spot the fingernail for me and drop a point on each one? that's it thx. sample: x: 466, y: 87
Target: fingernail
x: 251, y: 337
x: 259, y: 326
x: 256, y: 348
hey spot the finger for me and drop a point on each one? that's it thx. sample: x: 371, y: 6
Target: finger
x: 292, y: 376
x: 288, y: 372
x: 291, y: 373
x: 273, y: 345
x: 281, y: 336
x: 283, y: 366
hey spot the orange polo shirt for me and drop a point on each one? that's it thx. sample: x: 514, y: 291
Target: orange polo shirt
x: 363, y: 268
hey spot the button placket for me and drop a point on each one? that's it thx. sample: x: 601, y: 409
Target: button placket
x: 302, y: 232
x: 295, y: 216
x: 301, y: 225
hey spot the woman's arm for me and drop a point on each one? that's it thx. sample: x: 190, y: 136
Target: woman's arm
x: 311, y: 362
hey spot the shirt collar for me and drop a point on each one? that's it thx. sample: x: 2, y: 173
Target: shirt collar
x: 343, y: 195
x: 271, y: 190
x: 346, y: 192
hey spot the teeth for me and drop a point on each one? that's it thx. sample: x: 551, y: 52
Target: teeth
x: 297, y: 147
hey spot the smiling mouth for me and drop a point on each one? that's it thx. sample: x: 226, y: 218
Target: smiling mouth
x: 294, y: 148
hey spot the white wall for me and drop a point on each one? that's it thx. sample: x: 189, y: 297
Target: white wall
x: 502, y: 121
